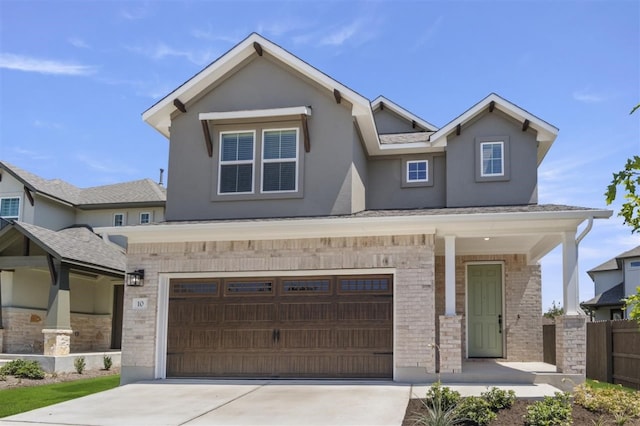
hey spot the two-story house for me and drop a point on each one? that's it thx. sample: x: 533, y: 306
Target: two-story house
x: 61, y: 285
x: 311, y: 232
x: 613, y: 281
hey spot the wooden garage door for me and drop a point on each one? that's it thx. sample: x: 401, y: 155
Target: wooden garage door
x: 338, y: 326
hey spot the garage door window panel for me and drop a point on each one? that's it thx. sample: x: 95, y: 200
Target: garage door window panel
x: 248, y: 288
x: 299, y: 287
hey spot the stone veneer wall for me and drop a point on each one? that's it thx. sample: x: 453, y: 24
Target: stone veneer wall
x: 411, y: 256
x: 571, y: 344
x: 23, y: 331
x: 90, y: 332
x: 523, y: 303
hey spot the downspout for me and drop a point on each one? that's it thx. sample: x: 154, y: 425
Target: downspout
x: 583, y: 234
x: 585, y: 231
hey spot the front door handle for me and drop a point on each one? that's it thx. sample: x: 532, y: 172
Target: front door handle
x: 500, y: 323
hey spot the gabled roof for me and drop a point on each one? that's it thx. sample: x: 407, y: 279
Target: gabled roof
x: 143, y: 191
x: 77, y: 245
x: 159, y: 115
x: 611, y: 297
x: 382, y: 102
x: 616, y: 262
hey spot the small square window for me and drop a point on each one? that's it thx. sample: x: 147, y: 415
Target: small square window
x: 118, y: 219
x: 10, y: 208
x: 417, y: 171
x: 145, y: 218
x: 492, y: 158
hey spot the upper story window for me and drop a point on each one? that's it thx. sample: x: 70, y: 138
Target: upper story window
x: 279, y: 160
x: 634, y: 264
x: 118, y: 219
x: 236, y: 162
x: 492, y: 158
x: 145, y: 218
x: 417, y: 171
x: 10, y: 208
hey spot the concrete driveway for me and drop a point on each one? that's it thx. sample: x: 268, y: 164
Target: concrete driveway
x: 204, y: 402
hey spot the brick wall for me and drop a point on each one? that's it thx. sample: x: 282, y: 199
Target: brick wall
x: 90, y: 332
x: 411, y: 256
x: 522, y: 319
x: 571, y: 344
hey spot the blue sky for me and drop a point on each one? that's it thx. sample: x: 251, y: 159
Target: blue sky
x: 76, y: 76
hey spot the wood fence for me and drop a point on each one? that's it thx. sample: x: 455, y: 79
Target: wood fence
x: 613, y: 352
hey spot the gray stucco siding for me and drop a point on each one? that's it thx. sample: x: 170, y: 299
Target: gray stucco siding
x: 390, y: 122
x: 386, y: 190
x: 518, y: 186
x: 263, y: 84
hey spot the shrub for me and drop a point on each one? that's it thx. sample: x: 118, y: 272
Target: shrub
x: 499, y: 399
x: 476, y: 410
x: 79, y: 364
x: 617, y: 402
x: 436, y: 414
x: 23, y: 369
x: 551, y: 411
x: 107, y: 362
x: 447, y: 398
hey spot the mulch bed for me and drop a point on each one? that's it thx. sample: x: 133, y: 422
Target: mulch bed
x: 514, y: 416
x: 11, y: 382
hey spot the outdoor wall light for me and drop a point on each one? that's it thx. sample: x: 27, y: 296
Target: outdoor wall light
x: 135, y: 278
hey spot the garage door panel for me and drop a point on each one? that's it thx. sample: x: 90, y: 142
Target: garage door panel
x: 307, y: 338
x: 319, y: 311
x: 247, y: 339
x: 374, y: 338
x: 250, y: 312
x: 365, y: 311
x: 311, y: 327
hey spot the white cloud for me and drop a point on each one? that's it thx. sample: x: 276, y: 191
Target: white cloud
x: 341, y: 35
x: 33, y: 155
x: 103, y: 165
x: 43, y: 66
x: 354, y: 33
x: 589, y: 97
x: 430, y: 32
x: 47, y: 124
x: 134, y: 14
x: 77, y: 42
x: 162, y: 50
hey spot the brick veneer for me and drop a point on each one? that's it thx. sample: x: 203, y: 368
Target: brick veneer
x: 571, y: 344
x: 450, y: 344
x: 523, y: 303
x: 411, y: 256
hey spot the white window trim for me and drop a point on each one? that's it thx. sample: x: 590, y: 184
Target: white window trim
x: 140, y: 217
x: 279, y: 160
x: 426, y: 179
x: 124, y: 219
x: 632, y: 266
x: 482, y: 144
x: 231, y: 163
x: 19, y: 207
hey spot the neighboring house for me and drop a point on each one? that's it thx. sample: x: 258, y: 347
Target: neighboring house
x: 614, y: 280
x: 312, y: 233
x: 61, y: 285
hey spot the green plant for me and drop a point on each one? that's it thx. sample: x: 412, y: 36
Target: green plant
x: 551, y: 411
x: 477, y: 410
x: 447, y: 398
x: 23, y: 369
x: 107, y: 362
x: 80, y: 364
x: 499, y: 399
x: 613, y: 400
x: 437, y: 413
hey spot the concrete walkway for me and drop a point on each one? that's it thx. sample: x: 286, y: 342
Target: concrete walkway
x: 210, y: 402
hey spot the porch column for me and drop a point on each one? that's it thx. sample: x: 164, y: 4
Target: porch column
x: 450, y: 332
x: 57, y: 326
x: 570, y: 273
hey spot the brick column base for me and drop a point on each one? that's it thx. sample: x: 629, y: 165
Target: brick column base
x: 450, y: 344
x: 571, y: 344
x: 57, y: 342
x: 1, y: 340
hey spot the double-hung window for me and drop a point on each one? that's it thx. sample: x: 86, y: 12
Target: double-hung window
x: 118, y: 219
x: 492, y: 159
x: 279, y: 160
x: 417, y: 171
x: 145, y: 218
x: 10, y: 208
x: 236, y: 162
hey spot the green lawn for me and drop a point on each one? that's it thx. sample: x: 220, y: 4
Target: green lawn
x: 603, y: 385
x: 19, y: 400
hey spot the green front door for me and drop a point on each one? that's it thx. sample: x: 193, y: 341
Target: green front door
x: 484, y: 301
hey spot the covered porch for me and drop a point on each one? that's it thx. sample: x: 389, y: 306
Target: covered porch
x: 61, y: 295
